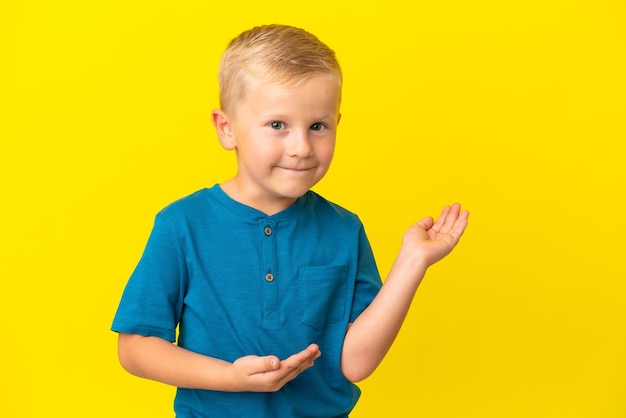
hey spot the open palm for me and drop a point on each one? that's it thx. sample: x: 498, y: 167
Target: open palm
x: 435, y: 239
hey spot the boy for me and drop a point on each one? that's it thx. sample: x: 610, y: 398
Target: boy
x: 275, y: 290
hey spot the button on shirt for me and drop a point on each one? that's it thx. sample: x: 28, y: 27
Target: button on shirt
x: 238, y: 282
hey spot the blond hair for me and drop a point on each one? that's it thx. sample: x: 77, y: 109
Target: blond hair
x: 274, y: 54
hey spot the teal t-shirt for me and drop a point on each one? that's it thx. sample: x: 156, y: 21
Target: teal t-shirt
x: 238, y: 282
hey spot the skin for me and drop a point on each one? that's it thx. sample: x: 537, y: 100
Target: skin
x: 284, y: 139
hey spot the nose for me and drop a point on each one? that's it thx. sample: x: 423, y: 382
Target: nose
x: 299, y: 145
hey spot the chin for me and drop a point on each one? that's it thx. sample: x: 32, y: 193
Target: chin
x: 294, y: 193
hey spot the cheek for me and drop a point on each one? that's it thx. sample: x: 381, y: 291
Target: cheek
x: 270, y: 152
x: 264, y: 150
x: 326, y: 151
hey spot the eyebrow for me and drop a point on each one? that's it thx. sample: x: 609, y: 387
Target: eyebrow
x: 281, y: 116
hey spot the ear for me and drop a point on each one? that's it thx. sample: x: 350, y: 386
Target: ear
x: 338, y: 118
x: 224, y: 129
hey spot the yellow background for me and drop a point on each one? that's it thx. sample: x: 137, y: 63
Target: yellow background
x: 516, y: 109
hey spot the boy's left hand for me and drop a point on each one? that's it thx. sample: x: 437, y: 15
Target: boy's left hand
x: 433, y: 240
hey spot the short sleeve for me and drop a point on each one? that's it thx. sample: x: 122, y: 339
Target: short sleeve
x: 368, y: 281
x: 152, y: 300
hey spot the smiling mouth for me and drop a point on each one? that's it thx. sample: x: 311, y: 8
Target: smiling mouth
x: 297, y: 169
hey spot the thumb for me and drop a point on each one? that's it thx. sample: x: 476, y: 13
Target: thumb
x: 257, y: 364
x: 426, y: 223
x: 270, y: 363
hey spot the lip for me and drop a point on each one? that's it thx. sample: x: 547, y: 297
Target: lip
x: 297, y: 169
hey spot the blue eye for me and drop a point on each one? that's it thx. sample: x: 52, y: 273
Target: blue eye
x: 277, y: 125
x: 317, y: 126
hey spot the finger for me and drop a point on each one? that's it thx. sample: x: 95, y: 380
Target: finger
x: 311, y: 352
x: 302, y: 360
x: 314, y: 349
x: 441, y: 220
x: 315, y: 354
x: 451, y: 217
x: 459, y: 225
x: 263, y: 364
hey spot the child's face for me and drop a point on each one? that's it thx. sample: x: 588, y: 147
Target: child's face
x: 284, y: 138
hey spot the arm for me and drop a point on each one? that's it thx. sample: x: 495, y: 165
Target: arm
x: 157, y: 359
x: 370, y: 336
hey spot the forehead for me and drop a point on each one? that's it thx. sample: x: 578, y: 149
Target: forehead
x: 321, y: 91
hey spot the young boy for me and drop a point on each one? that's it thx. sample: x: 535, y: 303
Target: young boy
x: 274, y: 289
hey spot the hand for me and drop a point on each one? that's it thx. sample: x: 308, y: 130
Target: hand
x: 433, y: 240
x: 268, y: 373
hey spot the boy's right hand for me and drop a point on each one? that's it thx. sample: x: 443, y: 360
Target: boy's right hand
x: 269, y: 373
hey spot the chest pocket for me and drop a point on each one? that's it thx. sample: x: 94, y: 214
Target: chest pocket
x: 323, y: 294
